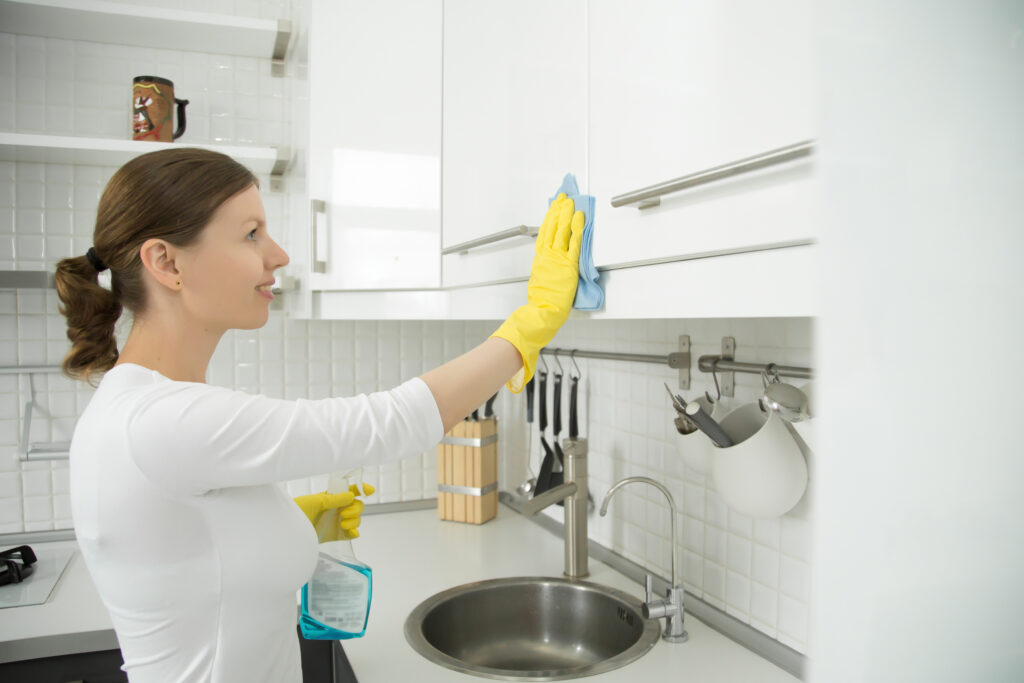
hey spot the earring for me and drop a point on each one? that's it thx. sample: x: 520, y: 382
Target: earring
x: 178, y: 283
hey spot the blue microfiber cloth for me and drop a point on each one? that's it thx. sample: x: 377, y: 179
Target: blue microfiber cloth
x: 589, y: 295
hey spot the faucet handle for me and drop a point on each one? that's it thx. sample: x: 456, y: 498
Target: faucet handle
x: 649, y: 588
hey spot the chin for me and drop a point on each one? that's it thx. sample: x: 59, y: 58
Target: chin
x: 254, y: 322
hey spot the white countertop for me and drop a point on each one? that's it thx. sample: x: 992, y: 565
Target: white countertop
x: 414, y: 555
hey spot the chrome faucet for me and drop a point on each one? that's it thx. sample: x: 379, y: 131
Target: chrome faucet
x: 574, y: 493
x: 672, y: 607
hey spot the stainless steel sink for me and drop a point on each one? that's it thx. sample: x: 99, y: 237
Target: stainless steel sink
x: 531, y: 629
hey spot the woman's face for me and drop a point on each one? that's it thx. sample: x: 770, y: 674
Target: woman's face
x: 227, y: 274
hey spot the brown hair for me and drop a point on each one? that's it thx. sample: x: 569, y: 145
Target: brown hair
x: 169, y: 195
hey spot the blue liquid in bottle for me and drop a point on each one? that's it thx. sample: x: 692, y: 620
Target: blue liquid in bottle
x: 336, y: 600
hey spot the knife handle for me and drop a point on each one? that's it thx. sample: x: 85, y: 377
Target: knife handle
x: 574, y: 430
x: 542, y: 402
x: 556, y: 413
x: 708, y: 425
x: 529, y: 400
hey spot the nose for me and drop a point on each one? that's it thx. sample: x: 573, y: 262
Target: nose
x: 276, y: 256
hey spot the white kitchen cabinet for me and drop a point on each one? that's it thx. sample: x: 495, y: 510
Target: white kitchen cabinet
x: 514, y: 125
x: 680, y: 86
x: 374, y: 172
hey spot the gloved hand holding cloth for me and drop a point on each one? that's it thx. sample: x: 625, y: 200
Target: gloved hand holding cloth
x: 350, y: 510
x: 551, y: 288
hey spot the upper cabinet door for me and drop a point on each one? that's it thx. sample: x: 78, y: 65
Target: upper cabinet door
x: 514, y: 125
x: 682, y: 86
x: 375, y: 143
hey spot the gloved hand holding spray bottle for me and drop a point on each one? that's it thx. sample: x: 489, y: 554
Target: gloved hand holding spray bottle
x: 336, y: 600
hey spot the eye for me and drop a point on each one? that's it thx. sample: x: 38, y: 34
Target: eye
x: 252, y: 234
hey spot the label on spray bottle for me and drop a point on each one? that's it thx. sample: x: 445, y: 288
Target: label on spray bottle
x: 336, y: 600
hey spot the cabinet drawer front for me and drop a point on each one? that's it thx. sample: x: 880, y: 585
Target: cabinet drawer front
x: 678, y: 86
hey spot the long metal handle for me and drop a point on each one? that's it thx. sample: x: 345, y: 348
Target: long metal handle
x: 464, y: 247
x: 315, y: 206
x: 651, y: 196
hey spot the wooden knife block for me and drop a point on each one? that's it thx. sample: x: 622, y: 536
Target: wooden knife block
x: 470, y: 468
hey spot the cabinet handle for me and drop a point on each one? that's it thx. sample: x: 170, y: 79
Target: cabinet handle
x: 464, y: 247
x: 650, y: 196
x: 315, y: 206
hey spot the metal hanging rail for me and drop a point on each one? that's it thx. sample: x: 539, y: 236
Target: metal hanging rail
x: 724, y: 366
x: 677, y: 360
x: 650, y: 196
x: 719, y: 364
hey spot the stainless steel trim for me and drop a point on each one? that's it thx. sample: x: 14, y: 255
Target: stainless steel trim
x: 462, y: 441
x: 464, y: 247
x: 28, y: 369
x: 651, y: 196
x: 48, y: 536
x: 27, y: 279
x: 468, y: 490
x: 401, y: 506
x: 625, y: 265
x: 719, y: 364
x: 315, y: 206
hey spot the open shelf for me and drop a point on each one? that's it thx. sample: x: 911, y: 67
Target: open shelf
x: 62, y: 149
x: 123, y: 24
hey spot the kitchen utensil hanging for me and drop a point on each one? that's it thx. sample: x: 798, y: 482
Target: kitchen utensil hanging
x: 544, y: 478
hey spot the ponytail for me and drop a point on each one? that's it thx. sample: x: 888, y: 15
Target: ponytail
x: 92, y: 312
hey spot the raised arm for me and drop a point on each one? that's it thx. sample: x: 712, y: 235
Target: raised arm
x: 509, y: 356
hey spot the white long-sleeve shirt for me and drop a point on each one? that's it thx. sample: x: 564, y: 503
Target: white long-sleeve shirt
x: 193, y: 546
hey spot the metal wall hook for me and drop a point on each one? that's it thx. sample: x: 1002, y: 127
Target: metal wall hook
x: 561, y: 371
x: 546, y: 369
x: 718, y: 390
x: 572, y: 357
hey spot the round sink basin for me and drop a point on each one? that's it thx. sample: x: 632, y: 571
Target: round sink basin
x: 531, y: 629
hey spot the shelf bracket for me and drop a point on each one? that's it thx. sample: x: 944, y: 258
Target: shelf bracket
x: 727, y: 379
x: 681, y: 360
x: 277, y: 58
x: 281, y: 164
x: 28, y: 451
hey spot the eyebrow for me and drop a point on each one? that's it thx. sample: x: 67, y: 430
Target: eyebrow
x: 254, y: 219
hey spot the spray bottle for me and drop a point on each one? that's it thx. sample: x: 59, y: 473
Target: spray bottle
x: 336, y: 600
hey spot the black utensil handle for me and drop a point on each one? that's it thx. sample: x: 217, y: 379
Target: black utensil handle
x: 542, y: 401
x: 529, y: 400
x: 707, y: 424
x: 556, y: 412
x: 489, y: 406
x: 546, y: 467
x: 574, y: 430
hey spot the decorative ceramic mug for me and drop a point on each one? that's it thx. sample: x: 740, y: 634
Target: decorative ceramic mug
x: 153, y: 110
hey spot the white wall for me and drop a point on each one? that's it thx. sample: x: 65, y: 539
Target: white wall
x: 920, y: 545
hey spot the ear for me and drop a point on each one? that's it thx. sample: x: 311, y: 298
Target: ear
x: 158, y: 257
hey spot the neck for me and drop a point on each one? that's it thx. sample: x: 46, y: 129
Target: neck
x: 176, y: 350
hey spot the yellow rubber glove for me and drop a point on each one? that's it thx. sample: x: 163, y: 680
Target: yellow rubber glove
x: 350, y: 511
x: 551, y: 289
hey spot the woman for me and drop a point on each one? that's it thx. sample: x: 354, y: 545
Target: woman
x: 194, y: 550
